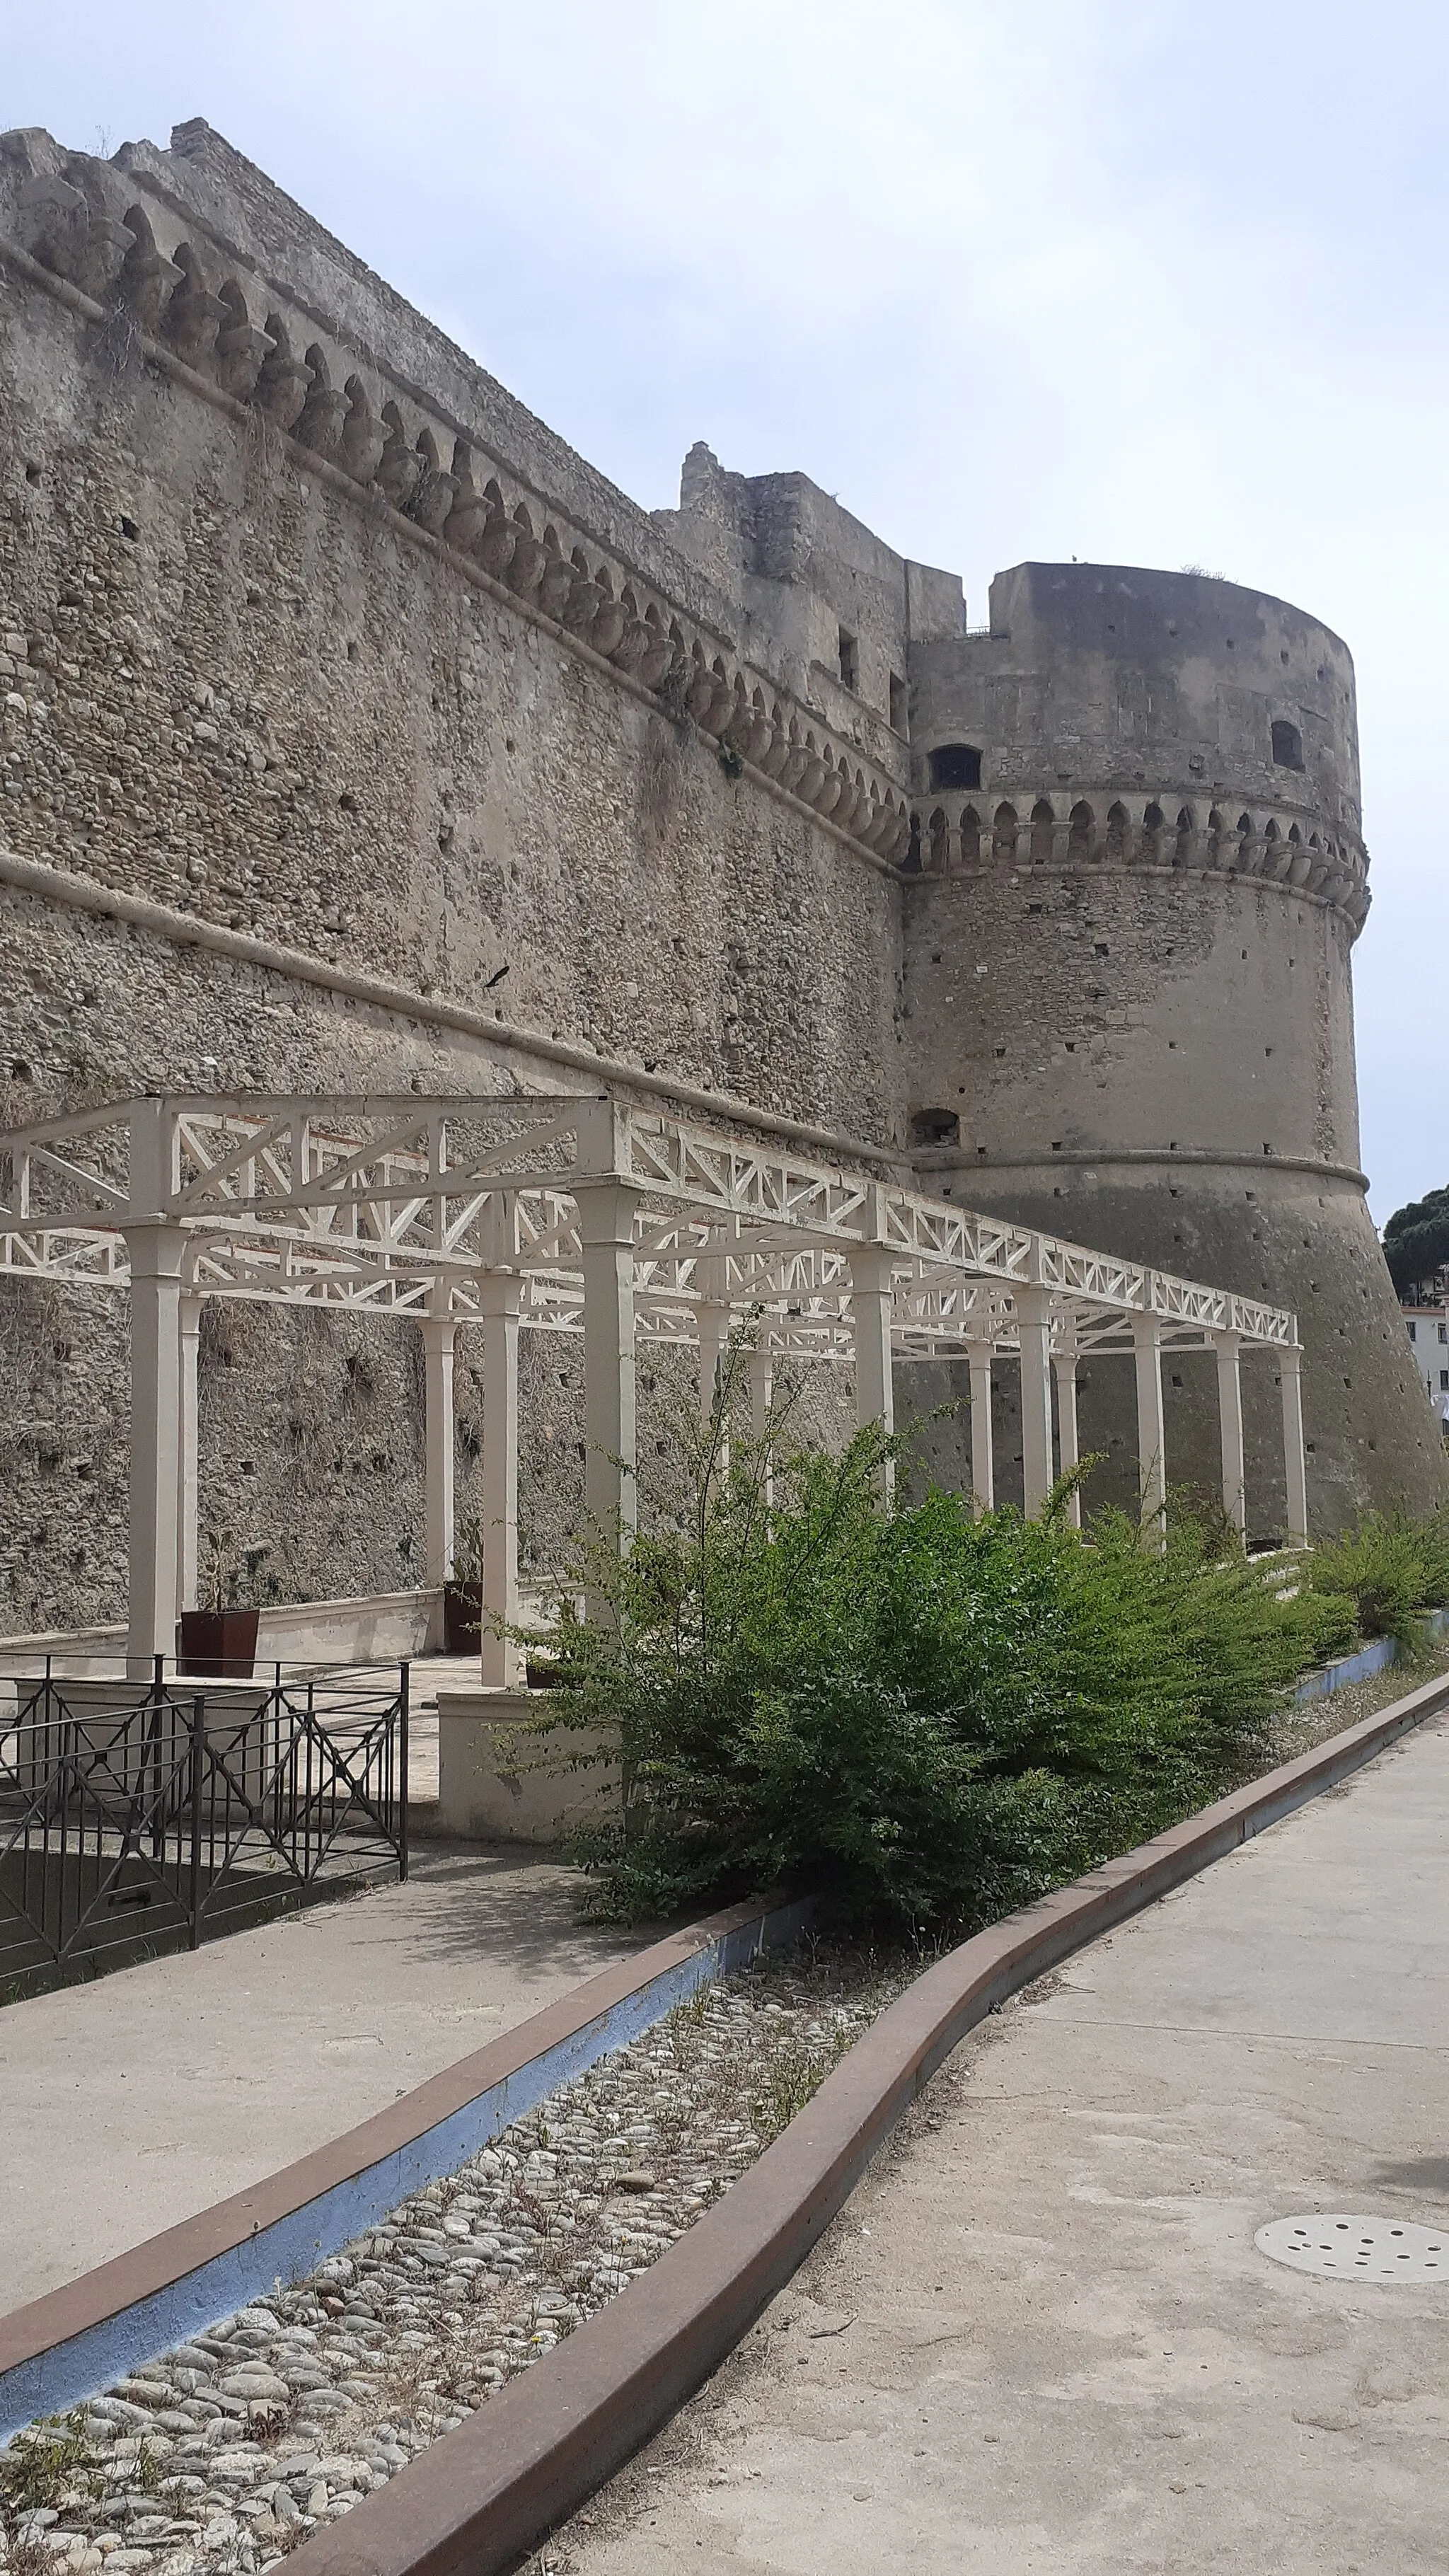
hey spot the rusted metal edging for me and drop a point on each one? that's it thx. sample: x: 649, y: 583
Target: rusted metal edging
x: 482, y: 2496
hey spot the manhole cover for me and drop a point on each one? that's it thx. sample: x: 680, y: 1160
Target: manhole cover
x: 1361, y: 2249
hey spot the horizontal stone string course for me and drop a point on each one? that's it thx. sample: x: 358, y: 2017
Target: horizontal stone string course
x: 181, y: 300
x: 1110, y: 830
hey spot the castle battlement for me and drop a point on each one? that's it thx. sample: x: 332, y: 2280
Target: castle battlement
x: 167, y: 282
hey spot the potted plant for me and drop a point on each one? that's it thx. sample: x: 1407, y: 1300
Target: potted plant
x: 463, y: 1594
x: 220, y: 1637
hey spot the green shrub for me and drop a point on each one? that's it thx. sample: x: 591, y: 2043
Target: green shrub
x: 1389, y: 1570
x: 929, y: 1716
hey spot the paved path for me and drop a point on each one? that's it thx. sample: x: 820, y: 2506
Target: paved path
x: 134, y: 2101
x: 1040, y: 2339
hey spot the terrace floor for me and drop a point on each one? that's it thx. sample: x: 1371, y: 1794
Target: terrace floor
x: 131, y: 2102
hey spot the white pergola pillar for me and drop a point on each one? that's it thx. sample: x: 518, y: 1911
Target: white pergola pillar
x: 188, y: 1442
x: 1295, y: 1464
x: 1033, y: 1317
x: 1064, y: 1369
x: 1230, y: 1429
x: 440, y: 1334
x: 606, y: 1233
x: 1151, y: 1428
x: 157, y: 1252
x: 714, y: 1340
x: 872, y: 1303
x: 983, y: 1484
x: 498, y: 1303
x: 760, y: 1372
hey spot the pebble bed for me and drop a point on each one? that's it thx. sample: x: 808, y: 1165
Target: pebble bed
x: 225, y: 2454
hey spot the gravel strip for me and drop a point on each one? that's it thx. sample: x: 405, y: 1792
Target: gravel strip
x: 236, y: 2446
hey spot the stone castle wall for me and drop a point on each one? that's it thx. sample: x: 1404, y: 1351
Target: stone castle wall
x: 356, y: 734
x: 244, y: 689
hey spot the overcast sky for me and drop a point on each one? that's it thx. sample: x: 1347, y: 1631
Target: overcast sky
x: 1155, y: 284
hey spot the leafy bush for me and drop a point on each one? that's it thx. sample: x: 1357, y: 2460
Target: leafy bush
x: 930, y: 1716
x: 1390, y: 1570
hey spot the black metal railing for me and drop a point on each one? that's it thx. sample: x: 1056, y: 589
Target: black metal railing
x: 163, y: 1811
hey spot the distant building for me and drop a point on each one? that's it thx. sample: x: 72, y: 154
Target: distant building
x: 1429, y: 1333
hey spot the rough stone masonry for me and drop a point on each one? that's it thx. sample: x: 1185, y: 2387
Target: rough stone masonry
x: 322, y: 658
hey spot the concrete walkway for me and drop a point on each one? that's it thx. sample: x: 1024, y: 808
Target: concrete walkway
x: 1040, y: 2337
x: 133, y: 2102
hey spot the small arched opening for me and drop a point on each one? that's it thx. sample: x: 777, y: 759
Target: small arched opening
x: 935, y: 1127
x: 1287, y: 744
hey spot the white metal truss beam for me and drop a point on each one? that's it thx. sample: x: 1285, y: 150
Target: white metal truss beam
x: 387, y: 1204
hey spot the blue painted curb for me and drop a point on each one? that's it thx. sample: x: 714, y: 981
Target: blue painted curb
x: 49, y: 2381
x: 1362, y: 1666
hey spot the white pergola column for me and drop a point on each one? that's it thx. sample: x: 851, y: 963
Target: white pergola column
x: 872, y: 1300
x: 1064, y: 1369
x: 713, y: 1320
x: 983, y: 1484
x: 1295, y: 1464
x: 498, y: 1302
x: 714, y: 1339
x: 606, y: 1232
x: 1151, y: 1428
x: 188, y: 1443
x: 156, y: 1254
x: 440, y: 1335
x: 760, y: 1372
x: 1230, y: 1429
x: 1033, y: 1317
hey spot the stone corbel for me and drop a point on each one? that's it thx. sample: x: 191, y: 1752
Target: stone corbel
x: 699, y: 696
x: 282, y: 381
x: 323, y: 411
x: 399, y: 468
x: 628, y: 654
x: 363, y: 439
x: 241, y: 353
x: 555, y: 584
x: 526, y: 564
x: 830, y: 790
x: 471, y: 511
x: 497, y: 537
x: 148, y: 279
x: 658, y: 658
x: 194, y: 315
x: 432, y: 505
x: 54, y: 222
x: 583, y: 603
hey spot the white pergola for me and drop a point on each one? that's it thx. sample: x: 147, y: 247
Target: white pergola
x: 577, y: 1215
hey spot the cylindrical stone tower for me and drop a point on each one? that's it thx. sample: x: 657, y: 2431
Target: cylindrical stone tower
x: 1128, y: 1002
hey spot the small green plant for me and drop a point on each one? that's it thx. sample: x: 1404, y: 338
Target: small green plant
x: 45, y: 2465
x: 731, y: 761
x: 230, y: 1577
x: 791, y: 2080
